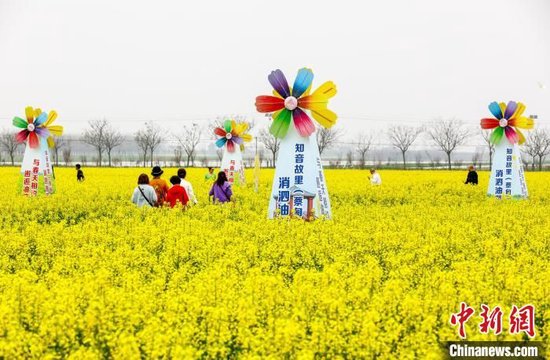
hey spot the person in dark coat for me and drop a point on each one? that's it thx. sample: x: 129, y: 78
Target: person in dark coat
x: 472, y: 176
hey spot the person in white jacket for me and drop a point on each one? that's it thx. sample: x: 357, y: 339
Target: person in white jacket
x: 144, y: 194
x: 375, y: 179
x: 182, y: 173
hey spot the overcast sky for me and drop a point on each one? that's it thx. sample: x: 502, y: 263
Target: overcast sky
x: 175, y: 62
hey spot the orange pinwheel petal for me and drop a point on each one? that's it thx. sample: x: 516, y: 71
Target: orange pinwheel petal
x: 522, y: 122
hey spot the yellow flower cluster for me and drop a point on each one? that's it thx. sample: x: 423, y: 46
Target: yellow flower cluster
x: 84, y: 274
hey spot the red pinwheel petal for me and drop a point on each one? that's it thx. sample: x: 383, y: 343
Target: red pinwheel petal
x: 489, y: 123
x: 265, y: 103
x: 219, y: 131
x: 230, y: 146
x: 21, y: 136
x: 33, y: 140
x: 511, y: 134
x: 302, y: 122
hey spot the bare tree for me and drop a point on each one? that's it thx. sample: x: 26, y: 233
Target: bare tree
x: 402, y: 137
x: 327, y: 138
x: 270, y: 142
x: 486, y: 135
x: 537, y: 145
x: 219, y: 154
x: 142, y: 140
x: 349, y: 158
x: 58, y: 144
x: 67, y: 156
x: 148, y: 140
x: 112, y: 138
x: 155, y: 138
x: 178, y: 154
x: 189, y: 140
x: 448, y: 135
x: 362, y: 146
x: 9, y: 144
x: 95, y: 136
x: 476, y: 158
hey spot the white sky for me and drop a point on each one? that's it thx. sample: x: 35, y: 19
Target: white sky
x: 180, y: 61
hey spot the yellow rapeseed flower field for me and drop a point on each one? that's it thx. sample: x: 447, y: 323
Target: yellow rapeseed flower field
x: 84, y: 274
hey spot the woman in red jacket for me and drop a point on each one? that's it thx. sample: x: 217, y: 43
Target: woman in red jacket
x: 176, y: 194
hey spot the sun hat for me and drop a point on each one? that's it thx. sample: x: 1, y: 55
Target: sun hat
x: 157, y: 171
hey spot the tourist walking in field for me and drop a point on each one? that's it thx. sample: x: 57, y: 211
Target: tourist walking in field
x: 221, y: 189
x: 375, y: 178
x: 176, y: 194
x: 144, y: 194
x: 160, y: 185
x: 472, y: 176
x: 79, y: 173
x: 210, y: 176
x: 182, y: 173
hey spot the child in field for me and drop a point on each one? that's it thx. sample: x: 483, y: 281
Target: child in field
x: 160, y: 185
x: 79, y: 173
x: 144, y: 194
x: 176, y: 194
x: 375, y: 179
x: 210, y: 176
x: 221, y: 190
x: 472, y: 176
x: 182, y: 173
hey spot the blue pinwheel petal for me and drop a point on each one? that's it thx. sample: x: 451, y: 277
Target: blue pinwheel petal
x: 302, y: 82
x: 41, y: 119
x: 221, y: 142
x: 510, y: 109
x: 495, y: 110
x: 278, y: 81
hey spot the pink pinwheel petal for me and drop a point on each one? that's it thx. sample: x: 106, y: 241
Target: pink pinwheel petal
x: 230, y: 146
x: 302, y: 122
x: 511, y: 135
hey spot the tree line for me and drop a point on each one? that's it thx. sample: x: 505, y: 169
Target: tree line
x: 444, y: 134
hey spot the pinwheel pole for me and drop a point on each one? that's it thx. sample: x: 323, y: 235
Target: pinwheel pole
x: 299, y: 187
x: 232, y: 137
x: 36, y: 168
x: 507, y: 175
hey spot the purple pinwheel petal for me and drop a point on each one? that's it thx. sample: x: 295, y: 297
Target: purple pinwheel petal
x: 510, y: 109
x: 42, y: 132
x: 278, y: 81
x: 238, y: 140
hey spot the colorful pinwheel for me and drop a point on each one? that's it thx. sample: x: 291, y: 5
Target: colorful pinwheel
x: 231, y: 134
x: 38, y: 124
x: 508, y: 120
x: 289, y: 103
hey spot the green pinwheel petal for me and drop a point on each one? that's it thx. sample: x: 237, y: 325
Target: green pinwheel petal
x: 497, y: 135
x: 280, y: 125
x: 20, y: 123
x: 227, y: 125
